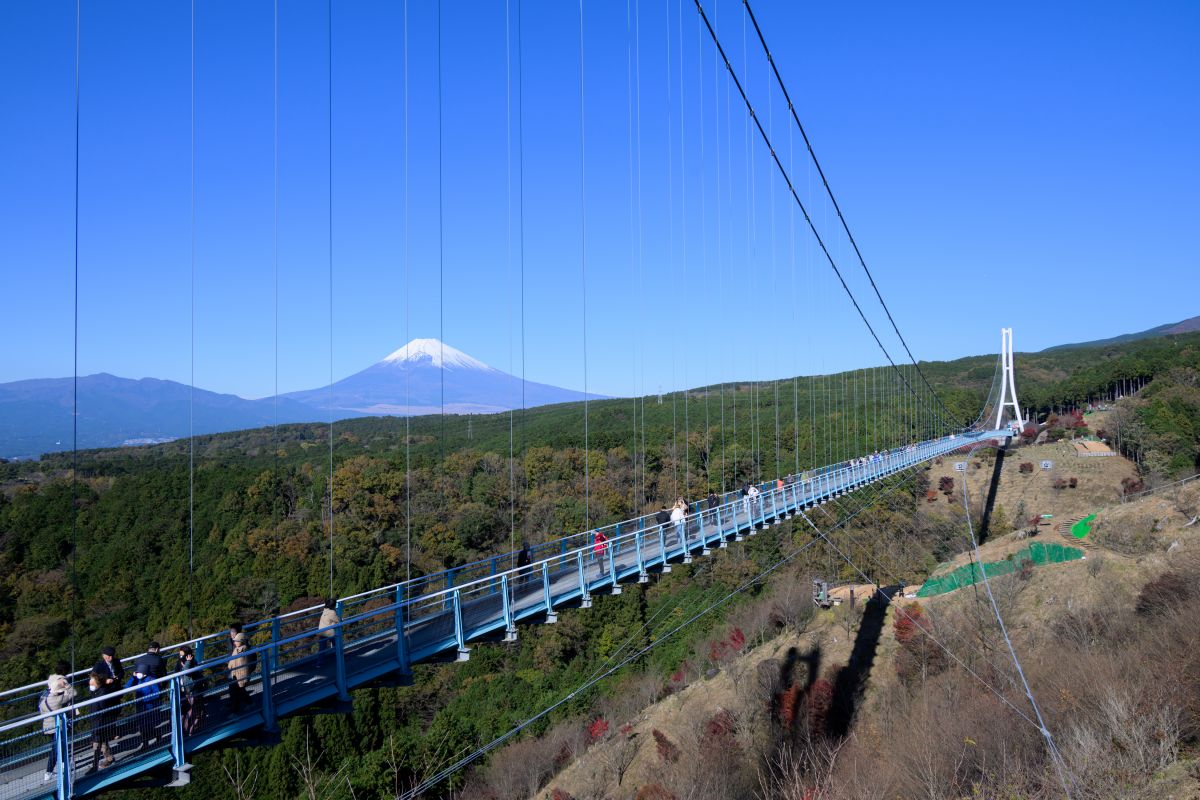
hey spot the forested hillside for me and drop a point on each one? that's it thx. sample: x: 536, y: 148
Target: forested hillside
x: 100, y: 554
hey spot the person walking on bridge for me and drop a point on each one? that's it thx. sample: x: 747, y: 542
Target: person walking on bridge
x: 524, y: 559
x: 103, y: 717
x: 752, y: 494
x: 58, y: 694
x: 239, y: 670
x: 109, y: 666
x: 662, y: 517
x: 679, y: 517
x: 600, y: 549
x: 151, y: 663
x: 327, y: 629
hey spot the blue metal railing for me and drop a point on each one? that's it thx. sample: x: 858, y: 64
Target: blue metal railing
x: 385, y: 631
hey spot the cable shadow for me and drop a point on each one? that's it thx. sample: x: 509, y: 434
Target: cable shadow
x: 851, y: 680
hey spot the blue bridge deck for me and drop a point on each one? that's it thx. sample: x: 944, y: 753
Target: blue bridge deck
x: 384, y: 632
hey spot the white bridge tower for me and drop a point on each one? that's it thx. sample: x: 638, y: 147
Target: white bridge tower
x: 1008, y: 384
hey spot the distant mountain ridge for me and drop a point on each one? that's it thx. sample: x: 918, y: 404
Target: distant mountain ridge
x: 425, y: 376
x: 35, y: 415
x: 1189, y: 325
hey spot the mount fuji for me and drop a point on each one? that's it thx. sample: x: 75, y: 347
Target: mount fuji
x: 36, y: 415
x: 411, y: 381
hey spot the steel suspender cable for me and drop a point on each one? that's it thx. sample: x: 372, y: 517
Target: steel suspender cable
x: 829, y: 191
x: 521, y: 196
x: 587, y: 474
x: 512, y: 483
x: 192, y: 331
x: 329, y: 487
x: 441, y: 253
x: 791, y: 188
x: 407, y: 329
x: 277, y: 467
x: 633, y: 492
x: 1055, y: 755
x: 683, y: 260
x: 75, y: 361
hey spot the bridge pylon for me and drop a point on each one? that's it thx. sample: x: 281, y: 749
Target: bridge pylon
x: 1008, y: 383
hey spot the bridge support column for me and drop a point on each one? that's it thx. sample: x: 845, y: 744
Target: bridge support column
x: 179, y: 756
x: 585, y: 596
x: 510, y: 627
x: 266, y: 679
x: 62, y: 747
x: 610, y: 552
x: 339, y: 660
x: 464, y: 652
x: 551, y: 617
x: 402, y: 658
x: 639, y: 539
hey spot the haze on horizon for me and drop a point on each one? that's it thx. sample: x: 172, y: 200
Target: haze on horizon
x: 995, y: 173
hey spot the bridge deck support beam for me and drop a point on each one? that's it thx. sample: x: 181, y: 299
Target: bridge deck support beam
x: 268, y: 693
x: 339, y: 660
x: 510, y: 626
x: 551, y: 617
x: 402, y: 658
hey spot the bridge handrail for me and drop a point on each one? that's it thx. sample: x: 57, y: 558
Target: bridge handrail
x: 766, y: 489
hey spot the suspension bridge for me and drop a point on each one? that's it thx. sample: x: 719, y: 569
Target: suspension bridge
x: 297, y: 666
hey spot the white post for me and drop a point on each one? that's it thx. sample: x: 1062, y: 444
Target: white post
x: 1008, y: 383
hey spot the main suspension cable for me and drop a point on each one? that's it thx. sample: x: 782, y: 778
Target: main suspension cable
x: 837, y: 208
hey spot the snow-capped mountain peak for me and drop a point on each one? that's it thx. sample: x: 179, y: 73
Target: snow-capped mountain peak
x: 436, y: 354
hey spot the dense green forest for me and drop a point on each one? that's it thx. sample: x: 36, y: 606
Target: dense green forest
x: 96, y: 545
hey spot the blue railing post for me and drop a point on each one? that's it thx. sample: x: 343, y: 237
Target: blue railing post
x: 510, y: 627
x: 612, y: 568
x: 268, y: 690
x: 585, y: 597
x: 200, y: 652
x: 639, y: 540
x: 62, y: 747
x: 339, y: 659
x: 402, y: 658
x: 275, y: 636
x: 177, y: 749
x: 551, y: 617
x: 663, y: 547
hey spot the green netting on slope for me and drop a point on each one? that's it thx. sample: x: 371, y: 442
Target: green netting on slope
x: 1082, y: 528
x: 1038, y: 552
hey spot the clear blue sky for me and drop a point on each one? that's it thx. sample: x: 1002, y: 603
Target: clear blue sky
x: 1025, y: 165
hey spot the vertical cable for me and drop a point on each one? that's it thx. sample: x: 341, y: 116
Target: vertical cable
x: 717, y: 225
x: 683, y: 259
x: 275, y: 248
x: 407, y: 329
x: 633, y: 493
x: 512, y: 478
x: 192, y: 337
x: 521, y: 195
x: 587, y: 473
x: 329, y: 488
x: 75, y: 358
x: 441, y: 252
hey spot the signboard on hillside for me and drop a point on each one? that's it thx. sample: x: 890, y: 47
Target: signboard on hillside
x: 960, y: 466
x: 1047, y: 465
